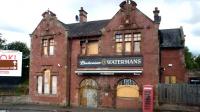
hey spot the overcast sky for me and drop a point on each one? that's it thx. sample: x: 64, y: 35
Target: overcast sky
x: 18, y: 18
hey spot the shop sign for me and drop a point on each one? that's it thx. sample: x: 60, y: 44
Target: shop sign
x: 94, y: 61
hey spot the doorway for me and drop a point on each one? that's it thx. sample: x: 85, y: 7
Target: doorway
x: 88, y: 93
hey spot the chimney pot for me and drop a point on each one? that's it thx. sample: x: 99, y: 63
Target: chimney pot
x: 157, y: 18
x: 82, y: 15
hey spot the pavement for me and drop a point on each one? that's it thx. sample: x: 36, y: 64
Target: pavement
x: 54, y: 108
x: 51, y: 108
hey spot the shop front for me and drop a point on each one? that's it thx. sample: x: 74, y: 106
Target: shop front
x: 109, y: 81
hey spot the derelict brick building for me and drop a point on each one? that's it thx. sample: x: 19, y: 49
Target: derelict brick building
x: 103, y: 63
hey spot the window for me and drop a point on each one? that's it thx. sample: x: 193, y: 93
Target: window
x: 48, y: 46
x: 39, y: 85
x: 119, y: 41
x: 127, y: 43
x: 45, y: 46
x: 128, y: 38
x: 51, y: 47
x: 46, y: 83
x: 89, y: 47
x: 137, y: 41
x: 54, y: 84
x: 127, y: 88
x: 170, y: 79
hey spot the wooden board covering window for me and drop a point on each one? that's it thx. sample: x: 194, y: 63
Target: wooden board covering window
x: 54, y: 84
x: 128, y: 91
x: 92, y: 48
x: 119, y: 47
x: 170, y: 79
x: 39, y: 84
x: 173, y: 79
x: 136, y: 47
x: 128, y: 47
x: 47, y: 81
x: 167, y: 80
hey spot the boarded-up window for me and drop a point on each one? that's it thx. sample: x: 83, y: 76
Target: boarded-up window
x: 136, y: 47
x: 167, y: 80
x: 47, y: 81
x: 127, y: 88
x: 54, y: 84
x: 51, y: 47
x: 170, y: 79
x: 137, y: 41
x: 45, y: 46
x: 39, y: 84
x: 92, y: 48
x: 119, y: 43
x: 173, y: 79
x: 127, y: 41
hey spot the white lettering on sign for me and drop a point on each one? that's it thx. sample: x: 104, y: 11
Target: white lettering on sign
x: 89, y: 63
x: 7, y: 57
x: 128, y: 61
x: 10, y: 63
x: 110, y: 61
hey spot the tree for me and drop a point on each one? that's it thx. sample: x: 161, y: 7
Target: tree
x: 197, y: 61
x: 2, y: 42
x: 22, y: 47
x: 19, y: 46
x: 189, y: 59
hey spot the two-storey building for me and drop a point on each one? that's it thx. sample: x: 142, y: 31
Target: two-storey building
x: 103, y: 63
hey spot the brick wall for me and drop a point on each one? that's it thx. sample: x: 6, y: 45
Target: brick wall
x: 149, y: 51
x: 57, y: 63
x: 175, y: 57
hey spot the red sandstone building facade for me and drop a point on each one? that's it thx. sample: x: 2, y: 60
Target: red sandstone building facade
x: 103, y: 63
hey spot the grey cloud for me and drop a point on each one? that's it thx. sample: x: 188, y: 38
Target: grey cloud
x: 196, y: 32
x: 12, y: 28
x: 195, y: 8
x: 195, y: 18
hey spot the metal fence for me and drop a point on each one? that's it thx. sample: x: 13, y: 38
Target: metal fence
x: 13, y: 90
x: 185, y: 94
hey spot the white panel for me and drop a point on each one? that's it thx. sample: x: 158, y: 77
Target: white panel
x: 14, y: 58
x: 39, y: 83
x: 54, y: 85
x: 47, y: 82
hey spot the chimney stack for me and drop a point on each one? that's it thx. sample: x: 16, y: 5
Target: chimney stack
x: 82, y: 15
x: 157, y: 18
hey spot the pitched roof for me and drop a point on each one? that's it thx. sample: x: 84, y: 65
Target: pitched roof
x: 171, y: 38
x: 91, y: 28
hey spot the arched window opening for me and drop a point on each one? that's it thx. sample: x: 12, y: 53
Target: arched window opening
x: 127, y: 88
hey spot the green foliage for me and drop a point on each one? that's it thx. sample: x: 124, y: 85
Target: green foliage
x: 190, y: 60
x: 20, y: 46
x: 197, y: 61
x: 2, y: 42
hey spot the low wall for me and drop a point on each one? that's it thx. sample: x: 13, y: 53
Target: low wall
x: 24, y: 99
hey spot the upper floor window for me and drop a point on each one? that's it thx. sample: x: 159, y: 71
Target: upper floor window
x: 137, y: 43
x: 51, y: 46
x: 119, y: 43
x: 45, y: 46
x: 127, y: 43
x: 48, y: 46
x: 90, y: 47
